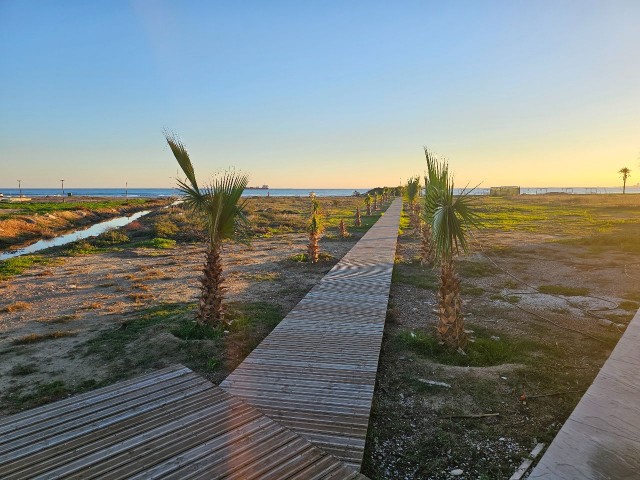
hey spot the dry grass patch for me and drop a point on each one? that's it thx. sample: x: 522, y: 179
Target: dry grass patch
x: 37, y: 337
x: 140, y: 297
x: 15, y: 307
x: 44, y: 273
x: 91, y: 306
x: 64, y: 318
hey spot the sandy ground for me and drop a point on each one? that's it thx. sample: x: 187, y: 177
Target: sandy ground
x: 81, y: 296
x: 408, y: 438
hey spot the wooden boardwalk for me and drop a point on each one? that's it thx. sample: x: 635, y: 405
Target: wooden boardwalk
x: 601, y: 438
x: 171, y: 424
x: 296, y: 408
x: 315, y: 373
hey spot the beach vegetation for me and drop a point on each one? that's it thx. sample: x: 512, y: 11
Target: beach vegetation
x: 451, y: 217
x: 342, y: 230
x: 625, y: 173
x: 411, y: 196
x: 17, y: 265
x: 219, y: 204
x: 315, y: 229
x: 367, y: 202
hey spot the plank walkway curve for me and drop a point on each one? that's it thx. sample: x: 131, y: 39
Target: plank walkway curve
x: 314, y: 374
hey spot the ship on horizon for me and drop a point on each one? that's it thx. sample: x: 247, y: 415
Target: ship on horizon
x: 263, y: 187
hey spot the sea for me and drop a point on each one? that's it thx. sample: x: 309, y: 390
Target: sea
x: 282, y: 192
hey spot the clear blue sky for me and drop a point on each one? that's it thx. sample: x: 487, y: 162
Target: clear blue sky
x: 319, y: 94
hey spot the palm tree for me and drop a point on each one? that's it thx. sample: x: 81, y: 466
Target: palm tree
x: 315, y: 229
x: 224, y: 219
x: 358, y: 220
x: 626, y: 173
x: 426, y: 249
x: 451, y: 218
x: 342, y: 229
x: 411, y: 192
x: 367, y: 202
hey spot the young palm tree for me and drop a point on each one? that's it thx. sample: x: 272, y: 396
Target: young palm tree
x: 413, y: 187
x: 358, y: 221
x: 451, y: 218
x: 367, y: 202
x: 218, y: 203
x: 426, y: 249
x: 342, y: 230
x: 626, y: 173
x: 315, y: 229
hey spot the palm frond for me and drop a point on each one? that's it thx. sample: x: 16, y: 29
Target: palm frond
x: 225, y: 214
x: 450, y: 216
x: 182, y: 156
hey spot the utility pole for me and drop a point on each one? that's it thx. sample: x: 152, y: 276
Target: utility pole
x: 62, y: 183
x: 20, y: 187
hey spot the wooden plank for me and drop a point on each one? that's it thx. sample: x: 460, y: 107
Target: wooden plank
x: 315, y: 373
x: 209, y: 434
x: 29, y: 417
x: 601, y: 438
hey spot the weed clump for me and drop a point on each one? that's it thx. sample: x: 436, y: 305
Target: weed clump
x: 486, y: 350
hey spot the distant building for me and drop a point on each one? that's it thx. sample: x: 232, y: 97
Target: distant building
x: 504, y: 191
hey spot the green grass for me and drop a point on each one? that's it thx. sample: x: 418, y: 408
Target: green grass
x: 22, y: 370
x: 303, y: 257
x: 600, y: 221
x: 81, y: 247
x: 52, y: 207
x: 629, y: 306
x: 159, y: 243
x: 562, y: 290
x: 110, y: 238
x: 414, y: 275
x: 201, y: 348
x: 474, y: 269
x: 623, y: 237
x: 483, y: 352
x: 17, y: 265
x: 192, y: 330
x: 473, y: 291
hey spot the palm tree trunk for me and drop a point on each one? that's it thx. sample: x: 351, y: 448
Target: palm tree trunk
x: 210, y: 310
x: 368, y: 209
x: 426, y: 249
x: 344, y: 233
x: 314, y: 248
x: 358, y: 221
x: 624, y: 185
x: 451, y: 323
